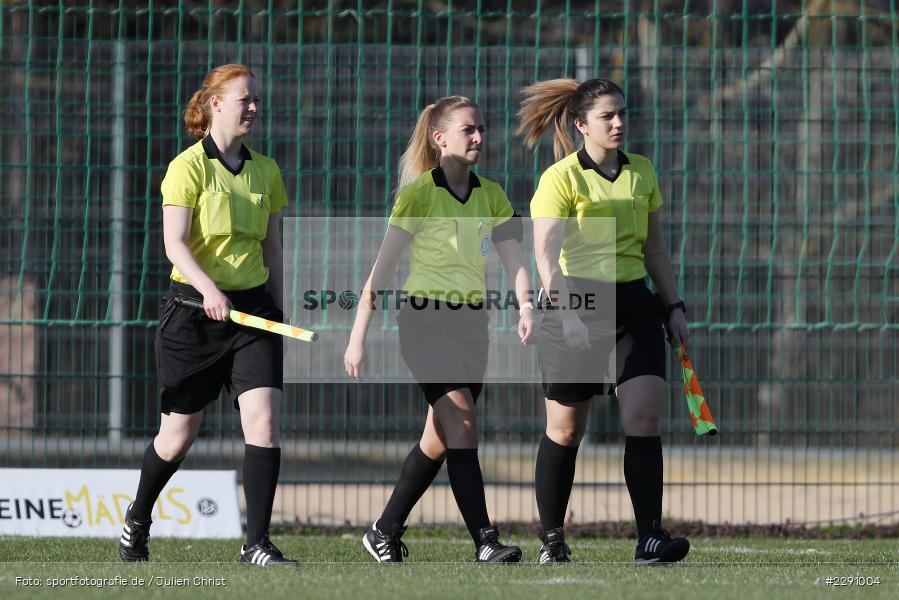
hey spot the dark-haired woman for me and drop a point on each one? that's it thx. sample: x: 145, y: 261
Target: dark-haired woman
x: 578, y: 253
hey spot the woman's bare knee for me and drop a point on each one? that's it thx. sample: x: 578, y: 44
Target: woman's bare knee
x: 565, y: 436
x: 176, y: 435
x: 642, y: 427
x: 640, y: 400
x: 433, y: 448
x: 566, y: 422
x: 462, y: 432
x: 171, y: 447
x: 259, y: 417
x: 456, y: 417
x: 643, y: 422
x: 261, y: 431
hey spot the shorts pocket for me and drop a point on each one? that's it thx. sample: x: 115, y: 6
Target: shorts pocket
x: 166, y: 308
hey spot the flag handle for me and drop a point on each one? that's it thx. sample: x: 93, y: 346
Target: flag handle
x: 248, y: 320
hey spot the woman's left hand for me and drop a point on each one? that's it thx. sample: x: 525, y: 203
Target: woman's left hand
x: 677, y: 324
x: 528, y: 325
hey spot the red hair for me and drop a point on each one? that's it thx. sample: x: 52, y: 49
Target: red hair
x: 197, y: 115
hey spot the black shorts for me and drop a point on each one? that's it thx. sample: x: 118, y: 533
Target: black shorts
x: 445, y: 348
x: 196, y: 356
x: 639, y: 343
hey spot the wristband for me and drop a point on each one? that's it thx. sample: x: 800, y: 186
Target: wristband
x: 673, y: 307
x: 526, y: 305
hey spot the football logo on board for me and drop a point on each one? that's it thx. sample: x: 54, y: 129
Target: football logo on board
x: 207, y: 507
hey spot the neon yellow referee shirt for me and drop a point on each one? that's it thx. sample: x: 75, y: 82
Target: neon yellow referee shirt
x: 575, y: 189
x: 230, y: 211
x: 451, y: 235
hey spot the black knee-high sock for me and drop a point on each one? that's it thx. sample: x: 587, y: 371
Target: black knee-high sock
x: 553, y: 478
x: 643, y: 475
x: 467, y: 482
x: 419, y: 470
x: 261, y: 467
x: 154, y: 474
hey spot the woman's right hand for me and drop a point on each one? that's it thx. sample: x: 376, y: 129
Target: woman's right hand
x: 575, y: 332
x: 216, y: 304
x: 354, y: 359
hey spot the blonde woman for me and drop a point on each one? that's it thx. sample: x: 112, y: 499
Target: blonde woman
x: 446, y: 215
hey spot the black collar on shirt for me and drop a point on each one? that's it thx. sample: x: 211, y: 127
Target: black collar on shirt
x: 587, y: 164
x: 440, y: 181
x: 212, y: 151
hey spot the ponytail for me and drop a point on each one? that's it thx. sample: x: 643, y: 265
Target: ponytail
x: 422, y: 154
x: 546, y: 105
x: 556, y: 103
x: 197, y: 116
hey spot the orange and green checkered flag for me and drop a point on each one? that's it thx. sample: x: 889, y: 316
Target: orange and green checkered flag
x: 700, y: 414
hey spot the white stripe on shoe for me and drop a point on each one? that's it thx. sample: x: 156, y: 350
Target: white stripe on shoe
x: 375, y: 554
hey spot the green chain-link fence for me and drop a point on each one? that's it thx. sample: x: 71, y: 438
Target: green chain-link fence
x: 773, y: 128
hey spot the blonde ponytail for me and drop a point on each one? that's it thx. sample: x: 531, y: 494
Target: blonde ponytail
x: 556, y: 103
x: 422, y: 154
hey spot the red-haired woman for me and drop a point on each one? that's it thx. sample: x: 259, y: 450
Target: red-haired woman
x: 221, y: 204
